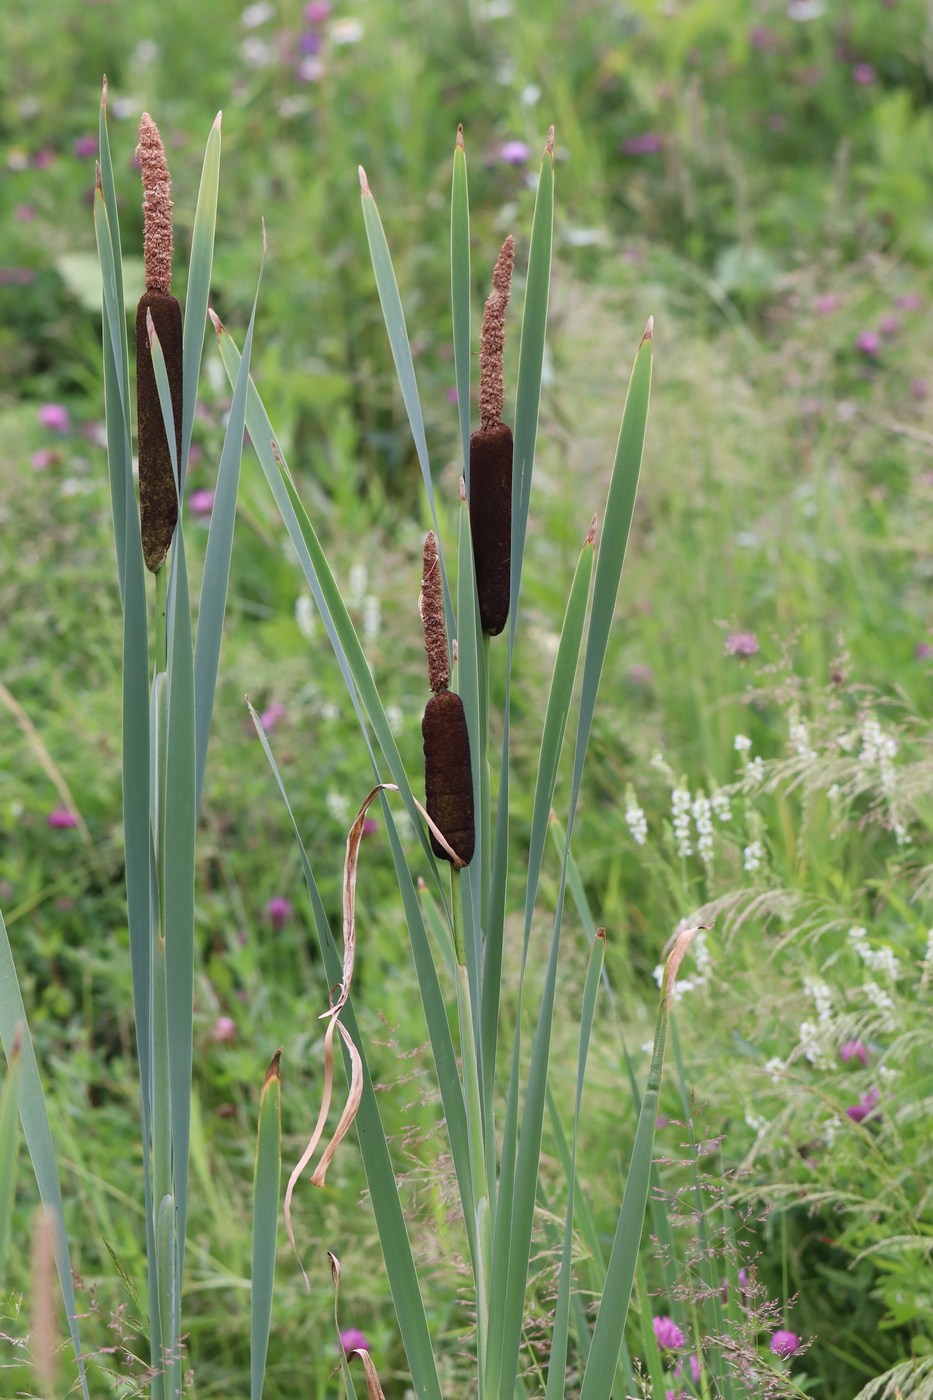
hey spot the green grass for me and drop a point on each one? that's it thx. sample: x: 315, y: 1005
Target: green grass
x: 776, y: 497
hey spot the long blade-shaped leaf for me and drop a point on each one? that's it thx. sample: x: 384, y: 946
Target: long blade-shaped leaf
x: 199, y: 287
x: 460, y: 294
x: 380, y: 1175
x: 216, y: 577
x: 266, y: 1184
x: 14, y: 1032
x: 394, y: 318
x: 9, y: 1147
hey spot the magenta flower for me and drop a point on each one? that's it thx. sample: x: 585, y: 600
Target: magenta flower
x: 370, y: 826
x: 668, y: 1334
x: 648, y: 144
x: 278, y: 910
x: 869, y: 342
x: 224, y: 1029
x: 866, y: 1105
x: 923, y: 651
x: 44, y: 158
x: 909, y: 301
x: 693, y: 1362
x: 918, y: 389
x: 890, y: 325
x: 61, y: 818
x: 201, y: 502
x: 761, y: 37
x: 857, y: 1049
x: 864, y: 74
x: 24, y: 213
x: 55, y: 417
x: 310, y: 42
x: 316, y: 11
x: 785, y: 1343
x: 42, y: 459
x: 741, y: 644
x: 271, y: 715
x: 451, y: 395
x: 514, y: 153
x: 825, y: 303
x: 85, y: 146
x: 352, y: 1339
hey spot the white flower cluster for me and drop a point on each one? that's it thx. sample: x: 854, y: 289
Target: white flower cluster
x: 338, y: 806
x: 775, y: 1067
x: 758, y: 1125
x: 721, y: 806
x: 800, y: 737
x: 822, y: 999
x: 742, y: 743
x: 702, y: 815
x: 881, y: 959
x: 881, y: 999
x: 812, y: 1037
x: 680, y: 808
x: 878, y: 749
x: 752, y: 856
x: 635, y: 817
x: 831, y: 1129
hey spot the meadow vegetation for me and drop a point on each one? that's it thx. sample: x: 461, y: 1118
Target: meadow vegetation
x: 757, y: 178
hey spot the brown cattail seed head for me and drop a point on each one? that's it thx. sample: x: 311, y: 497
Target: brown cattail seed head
x: 431, y: 607
x: 491, y: 522
x: 492, y: 338
x: 448, y: 776
x: 157, y: 207
x: 158, y: 495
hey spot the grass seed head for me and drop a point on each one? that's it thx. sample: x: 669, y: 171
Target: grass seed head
x: 492, y: 338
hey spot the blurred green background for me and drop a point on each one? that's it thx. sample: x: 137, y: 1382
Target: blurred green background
x: 759, y: 177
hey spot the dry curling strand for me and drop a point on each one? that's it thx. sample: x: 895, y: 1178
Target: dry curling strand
x: 158, y: 494
x: 491, y: 460
x: 448, y: 776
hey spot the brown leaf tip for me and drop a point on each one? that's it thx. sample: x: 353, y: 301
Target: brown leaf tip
x: 492, y: 339
x: 549, y: 144
x: 98, y: 178
x: 431, y: 608
x: 157, y: 207
x: 216, y: 322
x: 601, y: 933
x: 592, y: 532
x: 274, y: 1071
x: 460, y: 137
x: 364, y: 183
x: 103, y: 92
x: 649, y: 331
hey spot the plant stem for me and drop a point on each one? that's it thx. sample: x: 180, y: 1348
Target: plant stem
x: 161, y: 640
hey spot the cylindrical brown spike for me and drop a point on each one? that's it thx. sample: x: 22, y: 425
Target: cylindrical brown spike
x: 448, y: 776
x: 158, y: 495
x: 491, y: 522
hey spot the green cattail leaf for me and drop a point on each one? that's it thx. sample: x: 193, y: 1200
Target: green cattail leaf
x: 267, y: 1179
x: 471, y: 687
x: 394, y: 318
x: 460, y: 295
x: 109, y: 192
x: 216, y: 577
x: 377, y: 1163
x: 558, y: 1358
x: 199, y: 286
x: 14, y: 1032
x: 116, y: 391
x: 9, y: 1147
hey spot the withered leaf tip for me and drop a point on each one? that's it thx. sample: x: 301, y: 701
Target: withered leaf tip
x: 364, y: 183
x: 549, y: 144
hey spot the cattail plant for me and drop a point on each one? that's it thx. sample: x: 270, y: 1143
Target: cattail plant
x: 491, y: 459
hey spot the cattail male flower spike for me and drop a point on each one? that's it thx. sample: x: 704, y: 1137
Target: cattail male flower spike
x: 448, y: 772
x: 491, y: 460
x: 158, y: 493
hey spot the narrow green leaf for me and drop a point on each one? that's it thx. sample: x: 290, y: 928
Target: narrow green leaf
x: 216, y: 577
x: 116, y: 385
x: 460, y: 295
x: 199, y: 287
x: 471, y: 686
x: 9, y: 1147
x: 394, y: 318
x: 377, y: 1163
x: 558, y: 1359
x: 267, y: 1179
x: 648, y: 1339
x: 14, y: 1032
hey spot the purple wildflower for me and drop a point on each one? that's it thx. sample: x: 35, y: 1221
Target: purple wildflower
x: 668, y: 1334
x: 857, y: 1049
x: 44, y: 158
x: 869, y: 342
x: 42, y: 459
x: 55, y: 417
x: 16, y: 276
x: 825, y: 303
x: 310, y: 42
x: 640, y: 674
x: 278, y: 910
x: 785, y: 1343
x: 648, y: 144
x: 201, y: 502
x: 761, y: 37
x: 514, y: 153
x: 918, y: 388
x: 451, y: 395
x: 370, y: 826
x: 864, y: 74
x: 890, y: 325
x: 61, y: 817
x: 661, y: 1121
x: 741, y: 644
x: 693, y: 1361
x: 352, y: 1339
x: 85, y: 146
x: 866, y: 1105
x: 271, y: 715
x: 923, y: 651
x: 24, y: 213
x: 316, y: 11
x: 224, y: 1029
x: 909, y: 301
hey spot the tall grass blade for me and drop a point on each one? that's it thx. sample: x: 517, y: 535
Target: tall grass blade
x: 394, y: 318
x: 216, y: 577
x: 9, y: 1146
x: 199, y: 287
x: 14, y: 1032
x: 558, y: 1360
x: 267, y: 1179
x: 460, y: 295
x: 377, y: 1163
